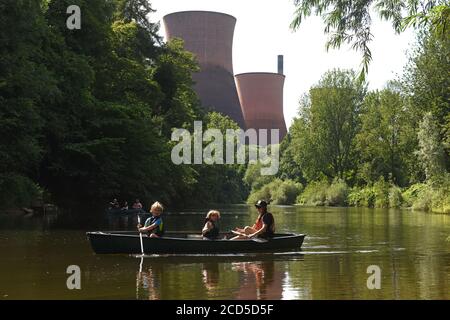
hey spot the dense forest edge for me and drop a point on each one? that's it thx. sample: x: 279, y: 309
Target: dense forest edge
x: 87, y: 115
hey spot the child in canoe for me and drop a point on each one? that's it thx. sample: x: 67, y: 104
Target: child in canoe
x: 211, y: 229
x: 154, y: 225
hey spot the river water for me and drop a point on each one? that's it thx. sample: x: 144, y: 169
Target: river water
x: 412, y: 250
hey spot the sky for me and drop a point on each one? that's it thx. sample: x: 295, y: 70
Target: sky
x: 262, y: 33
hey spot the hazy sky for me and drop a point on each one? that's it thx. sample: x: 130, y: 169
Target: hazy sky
x: 262, y: 32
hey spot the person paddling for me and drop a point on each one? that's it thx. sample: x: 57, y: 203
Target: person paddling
x: 211, y: 229
x: 154, y: 225
x: 264, y: 226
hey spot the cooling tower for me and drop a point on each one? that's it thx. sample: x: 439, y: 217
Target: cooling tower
x: 209, y: 35
x: 261, y: 97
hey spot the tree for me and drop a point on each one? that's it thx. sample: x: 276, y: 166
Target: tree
x: 324, y: 134
x: 220, y: 183
x: 384, y: 141
x: 108, y: 135
x: 350, y: 21
x: 289, y: 169
x: 25, y: 84
x: 431, y: 152
x: 426, y: 82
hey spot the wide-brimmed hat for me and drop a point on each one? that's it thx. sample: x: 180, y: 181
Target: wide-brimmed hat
x: 261, y: 204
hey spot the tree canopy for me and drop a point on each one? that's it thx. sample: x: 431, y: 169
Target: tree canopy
x: 350, y: 22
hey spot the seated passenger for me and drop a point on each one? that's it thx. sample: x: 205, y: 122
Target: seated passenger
x: 154, y: 225
x: 114, y: 204
x: 211, y: 229
x: 125, y: 206
x: 137, y: 205
x: 264, y: 226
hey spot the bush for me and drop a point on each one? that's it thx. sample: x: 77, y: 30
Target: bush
x: 17, y: 191
x: 411, y: 194
x: 287, y: 192
x: 315, y: 194
x: 364, y: 197
x: 429, y: 197
x: 278, y: 192
x: 381, y: 190
x: 441, y: 201
x: 395, y: 197
x: 253, y: 178
x: 337, y: 193
x: 424, y: 200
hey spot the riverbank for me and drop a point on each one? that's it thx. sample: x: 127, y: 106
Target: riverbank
x: 382, y: 194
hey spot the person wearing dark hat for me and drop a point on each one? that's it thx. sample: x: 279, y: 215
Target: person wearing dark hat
x: 264, y: 226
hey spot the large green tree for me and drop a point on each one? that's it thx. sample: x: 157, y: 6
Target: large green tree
x: 426, y: 83
x: 324, y: 134
x: 25, y: 85
x: 386, y: 140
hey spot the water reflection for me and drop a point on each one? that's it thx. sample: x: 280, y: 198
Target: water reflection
x: 259, y: 280
x: 148, y: 283
x: 211, y: 277
x: 258, y: 277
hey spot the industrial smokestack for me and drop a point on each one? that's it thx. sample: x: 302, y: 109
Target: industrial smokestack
x: 281, y: 64
x: 209, y: 36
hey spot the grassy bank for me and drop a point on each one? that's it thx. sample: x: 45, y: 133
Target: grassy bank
x: 432, y: 197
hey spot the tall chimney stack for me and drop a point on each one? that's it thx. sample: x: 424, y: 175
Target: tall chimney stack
x: 281, y: 64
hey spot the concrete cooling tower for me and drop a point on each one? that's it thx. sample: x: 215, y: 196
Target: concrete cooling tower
x: 209, y: 35
x: 261, y: 97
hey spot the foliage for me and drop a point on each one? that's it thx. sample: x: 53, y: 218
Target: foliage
x: 429, y: 197
x: 337, y: 193
x: 277, y: 192
x: 315, y: 194
x: 88, y: 114
x: 350, y: 22
x: 321, y: 193
x: 431, y: 151
x: 362, y: 197
x: 17, y: 191
x: 219, y: 183
x: 381, y: 190
x: 386, y: 138
x: 395, y: 197
x: 253, y: 178
x: 425, y: 82
x: 326, y: 129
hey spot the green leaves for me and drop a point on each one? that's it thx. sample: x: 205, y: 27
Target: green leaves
x: 349, y: 22
x: 328, y: 123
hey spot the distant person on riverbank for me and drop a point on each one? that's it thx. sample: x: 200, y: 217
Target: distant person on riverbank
x: 154, y: 225
x: 264, y: 226
x: 137, y: 205
x: 211, y: 229
x: 114, y: 204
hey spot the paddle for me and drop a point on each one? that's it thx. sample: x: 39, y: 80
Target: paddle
x: 259, y: 240
x: 140, y: 237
